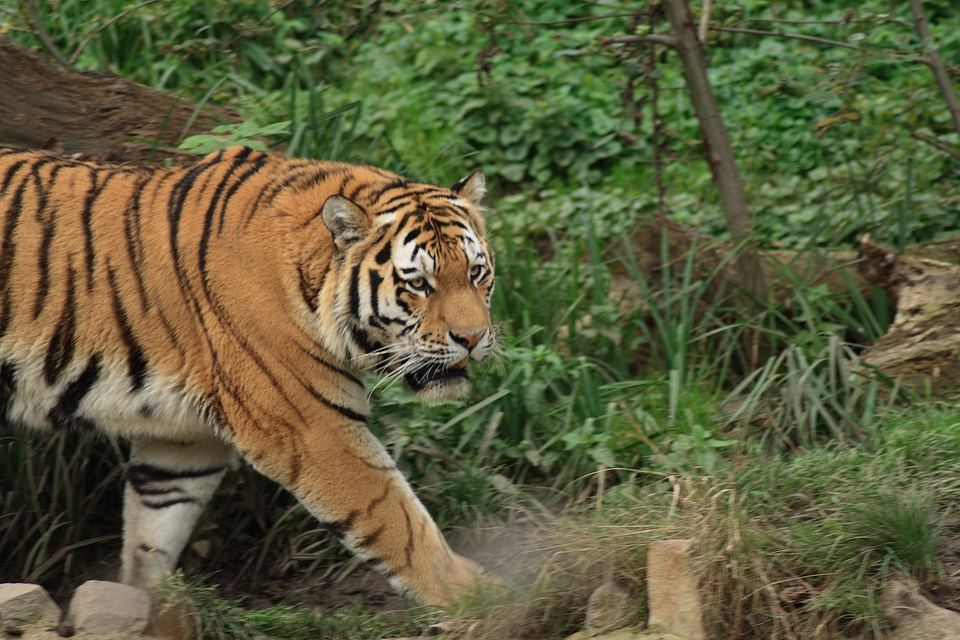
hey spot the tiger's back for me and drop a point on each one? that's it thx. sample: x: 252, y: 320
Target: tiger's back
x: 230, y: 307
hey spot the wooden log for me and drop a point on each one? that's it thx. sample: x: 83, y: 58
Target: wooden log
x: 922, y: 346
x: 658, y: 236
x: 93, y: 115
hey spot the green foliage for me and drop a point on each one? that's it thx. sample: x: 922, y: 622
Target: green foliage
x: 188, y: 608
x: 830, y: 524
x: 821, y: 396
x: 225, y: 135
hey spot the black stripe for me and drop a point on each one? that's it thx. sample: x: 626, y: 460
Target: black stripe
x: 346, y: 412
x: 406, y: 219
x: 411, y: 543
x: 401, y: 303
x: 131, y: 228
x: 178, y: 195
x: 38, y: 183
x: 43, y: 267
x: 64, y: 412
x: 136, y: 361
x: 339, y: 528
x: 355, y: 291
x: 362, y: 339
x: 142, y: 473
x: 7, y: 248
x: 405, y: 194
x: 9, y: 173
x: 8, y: 386
x: 383, y: 256
x: 375, y: 280
x: 219, y: 189
x: 87, y: 217
x: 343, y: 372
x: 168, y: 503
x: 371, y: 537
x: 309, y: 294
x: 259, y: 161
x: 60, y: 351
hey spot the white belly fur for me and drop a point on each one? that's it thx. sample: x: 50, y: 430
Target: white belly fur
x: 159, y: 409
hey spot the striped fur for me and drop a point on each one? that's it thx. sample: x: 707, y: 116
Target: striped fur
x: 229, y: 309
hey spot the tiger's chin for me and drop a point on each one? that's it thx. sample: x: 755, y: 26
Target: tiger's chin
x: 438, y: 382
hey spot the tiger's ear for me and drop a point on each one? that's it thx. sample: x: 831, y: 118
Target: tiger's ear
x: 473, y: 187
x: 345, y: 219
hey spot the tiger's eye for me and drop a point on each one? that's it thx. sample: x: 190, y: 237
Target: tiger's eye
x: 418, y: 282
x: 475, y: 271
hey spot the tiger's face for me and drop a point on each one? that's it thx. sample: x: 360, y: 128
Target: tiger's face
x: 419, y: 284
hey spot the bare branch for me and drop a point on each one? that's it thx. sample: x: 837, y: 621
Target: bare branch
x: 824, y: 41
x: 852, y: 21
x: 550, y: 23
x: 704, y: 21
x: 936, y: 64
x: 794, y: 36
x: 652, y: 38
x: 37, y: 23
x: 934, y: 143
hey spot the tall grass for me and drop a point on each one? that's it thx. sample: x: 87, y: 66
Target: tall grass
x: 59, y: 506
x: 785, y: 547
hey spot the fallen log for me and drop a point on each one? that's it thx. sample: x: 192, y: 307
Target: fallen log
x: 922, y: 346
x: 658, y: 239
x: 93, y: 115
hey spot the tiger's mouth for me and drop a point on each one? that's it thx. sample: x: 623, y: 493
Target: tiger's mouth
x: 433, y: 374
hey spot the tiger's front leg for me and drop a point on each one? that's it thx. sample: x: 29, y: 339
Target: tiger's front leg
x: 168, y: 486
x: 344, y: 476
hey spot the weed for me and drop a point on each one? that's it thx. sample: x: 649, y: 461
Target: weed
x: 189, y: 609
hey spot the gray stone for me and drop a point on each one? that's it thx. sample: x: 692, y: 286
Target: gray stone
x: 626, y: 634
x: 672, y: 593
x: 109, y: 607
x: 610, y: 607
x: 913, y: 617
x: 25, y: 605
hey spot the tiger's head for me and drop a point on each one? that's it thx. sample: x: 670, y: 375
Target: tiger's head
x: 416, y: 281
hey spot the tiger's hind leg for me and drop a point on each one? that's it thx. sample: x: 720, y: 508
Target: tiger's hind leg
x: 168, y: 486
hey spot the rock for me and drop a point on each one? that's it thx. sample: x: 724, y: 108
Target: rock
x: 109, y: 607
x: 609, y: 608
x: 672, y: 593
x: 913, y: 617
x: 25, y: 605
x: 627, y: 634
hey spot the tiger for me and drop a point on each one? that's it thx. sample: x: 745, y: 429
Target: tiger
x: 230, y: 310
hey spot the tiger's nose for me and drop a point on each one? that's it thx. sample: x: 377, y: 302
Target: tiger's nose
x: 468, y: 339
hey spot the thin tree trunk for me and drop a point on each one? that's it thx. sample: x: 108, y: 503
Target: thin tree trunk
x: 716, y: 139
x: 935, y: 62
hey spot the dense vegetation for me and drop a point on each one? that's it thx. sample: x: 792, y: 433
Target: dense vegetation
x: 827, y: 477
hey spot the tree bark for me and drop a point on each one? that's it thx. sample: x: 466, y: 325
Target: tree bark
x: 96, y: 115
x: 716, y: 141
x: 641, y: 254
x: 936, y: 63
x: 922, y: 346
